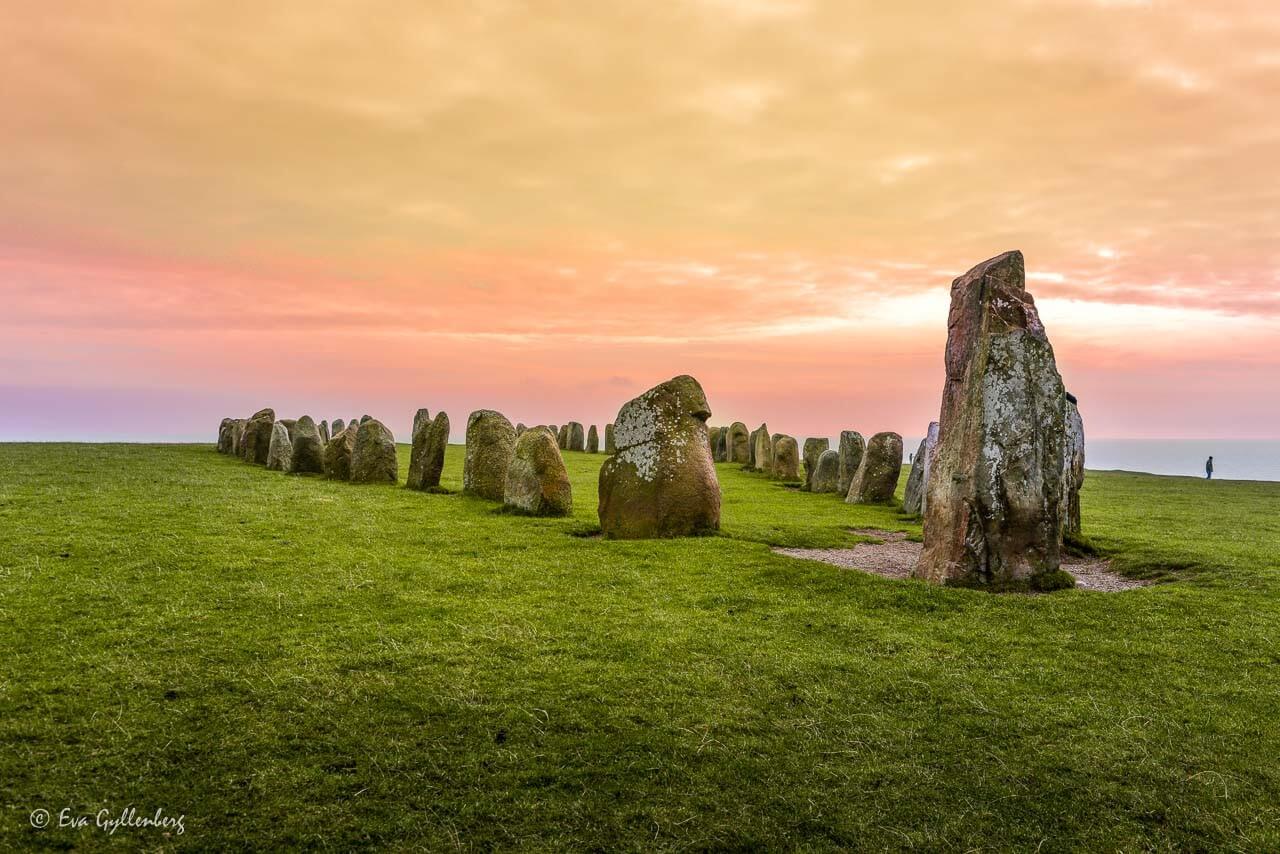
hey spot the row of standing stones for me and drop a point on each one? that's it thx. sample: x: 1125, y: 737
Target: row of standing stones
x: 996, y: 479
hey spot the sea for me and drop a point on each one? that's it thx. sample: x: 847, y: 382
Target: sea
x: 1233, y: 459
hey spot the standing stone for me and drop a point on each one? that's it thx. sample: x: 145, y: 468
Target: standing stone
x: 562, y: 438
x: 931, y: 450
x: 738, y: 444
x: 491, y: 443
x: 555, y: 431
x: 852, y: 447
x: 323, y: 430
x: 593, y: 440
x: 338, y: 426
x: 279, y: 451
x: 257, y: 436
x: 577, y: 438
x: 813, y: 449
x: 237, y: 436
x: 308, y: 448
x: 373, y: 460
x: 225, y: 439
x: 365, y: 418
x: 722, y: 445
x: 762, y: 450
x: 337, y: 454
x: 917, y: 481
x: 993, y: 513
x: 661, y: 482
x: 426, y: 460
x: 1072, y: 468
x: 827, y: 473
x: 877, y: 477
x: 610, y: 444
x: 536, y: 481
x: 420, y: 418
x: 786, y: 458
x: 289, y: 425
x: 520, y: 428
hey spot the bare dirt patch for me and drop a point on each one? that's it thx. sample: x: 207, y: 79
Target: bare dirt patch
x: 894, y: 556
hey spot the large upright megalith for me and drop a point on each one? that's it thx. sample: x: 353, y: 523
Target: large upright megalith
x: 661, y: 482
x: 308, y: 447
x: 1072, y: 468
x: 826, y: 472
x: 738, y: 444
x: 786, y: 457
x: 337, y: 453
x: 373, y: 460
x: 761, y: 449
x: 876, y: 479
x: 813, y: 449
x: 593, y: 440
x: 993, y: 507
x: 426, y: 458
x: 537, y: 482
x: 577, y: 437
x: 852, y: 447
x: 610, y: 443
x: 256, y: 443
x: 491, y: 443
x: 280, y: 450
x: 225, y: 440
x: 420, y: 419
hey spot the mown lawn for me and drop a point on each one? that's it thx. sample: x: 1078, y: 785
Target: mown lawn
x: 290, y: 662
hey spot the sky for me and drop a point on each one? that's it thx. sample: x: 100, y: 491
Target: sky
x: 546, y: 208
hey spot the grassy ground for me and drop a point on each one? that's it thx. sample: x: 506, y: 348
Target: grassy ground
x: 289, y: 662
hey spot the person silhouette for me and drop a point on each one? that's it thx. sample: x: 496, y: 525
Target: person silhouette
x: 1208, y: 469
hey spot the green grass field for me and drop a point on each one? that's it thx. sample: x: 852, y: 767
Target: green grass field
x: 291, y: 662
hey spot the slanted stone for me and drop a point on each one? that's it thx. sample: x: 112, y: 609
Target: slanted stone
x: 323, y: 430
x: 876, y: 479
x: 491, y: 443
x: 537, y: 482
x: 827, y: 473
x: 279, y: 450
x: 426, y: 460
x: 593, y: 440
x: 577, y: 438
x: 256, y: 443
x: 786, y: 458
x: 661, y: 482
x: 1072, y: 468
x: 307, y: 448
x: 738, y: 444
x: 337, y: 454
x: 813, y: 449
x: 762, y: 450
x: 852, y: 447
x: 993, y: 514
x: 610, y: 444
x: 374, y: 458
x: 420, y: 418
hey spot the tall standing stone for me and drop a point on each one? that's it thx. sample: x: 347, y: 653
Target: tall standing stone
x: 338, y: 426
x: 225, y: 438
x: 373, y: 460
x: 661, y: 482
x: 738, y: 444
x: 537, y: 482
x: 1072, y: 468
x: 308, y: 448
x: 993, y: 513
x: 237, y: 436
x: 610, y: 444
x: 826, y: 473
x: 562, y: 438
x: 426, y: 460
x: 520, y: 428
x: 257, y: 436
x: 813, y: 449
x: 913, y: 497
x: 577, y: 438
x: 593, y: 440
x: 420, y: 418
x: 722, y: 445
x: 289, y: 425
x: 323, y: 429
x: 877, y: 477
x: 762, y: 450
x: 337, y: 453
x: 786, y: 458
x: 491, y: 443
x: 852, y: 447
x: 279, y: 450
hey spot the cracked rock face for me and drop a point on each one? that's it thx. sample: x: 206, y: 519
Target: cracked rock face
x: 661, y: 482
x: 491, y: 443
x: 993, y: 498
x: 877, y: 476
x: 537, y: 482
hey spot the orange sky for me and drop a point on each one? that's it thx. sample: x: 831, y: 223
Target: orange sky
x: 337, y: 208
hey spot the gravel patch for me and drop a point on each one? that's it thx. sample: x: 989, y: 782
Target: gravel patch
x: 894, y: 556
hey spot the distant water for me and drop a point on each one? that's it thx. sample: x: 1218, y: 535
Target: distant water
x: 1233, y: 459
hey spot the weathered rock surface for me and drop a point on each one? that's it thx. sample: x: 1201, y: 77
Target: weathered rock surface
x: 610, y: 444
x: 593, y: 440
x: 420, y: 419
x: 237, y: 436
x: 338, y: 426
x: 993, y: 515
x: 289, y: 424
x: 738, y: 444
x: 562, y: 438
x: 1072, y: 468
x: 786, y: 458
x: 226, y: 436
x: 426, y: 459
x: 491, y: 443
x: 256, y: 443
x: 721, y: 454
x: 520, y: 428
x: 761, y: 449
x: 337, y: 453
x: 877, y: 477
x: 577, y: 438
x: 913, y: 493
x: 661, y: 482
x: 279, y: 451
x: 852, y: 447
x: 826, y: 473
x: 373, y: 460
x: 308, y: 448
x: 323, y: 429
x: 537, y: 482
x: 813, y: 449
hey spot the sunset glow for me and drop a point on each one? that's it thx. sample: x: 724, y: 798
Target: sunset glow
x: 210, y: 208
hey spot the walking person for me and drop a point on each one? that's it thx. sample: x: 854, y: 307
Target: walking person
x: 1208, y: 469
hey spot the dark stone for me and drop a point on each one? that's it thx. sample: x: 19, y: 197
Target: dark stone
x: 491, y: 444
